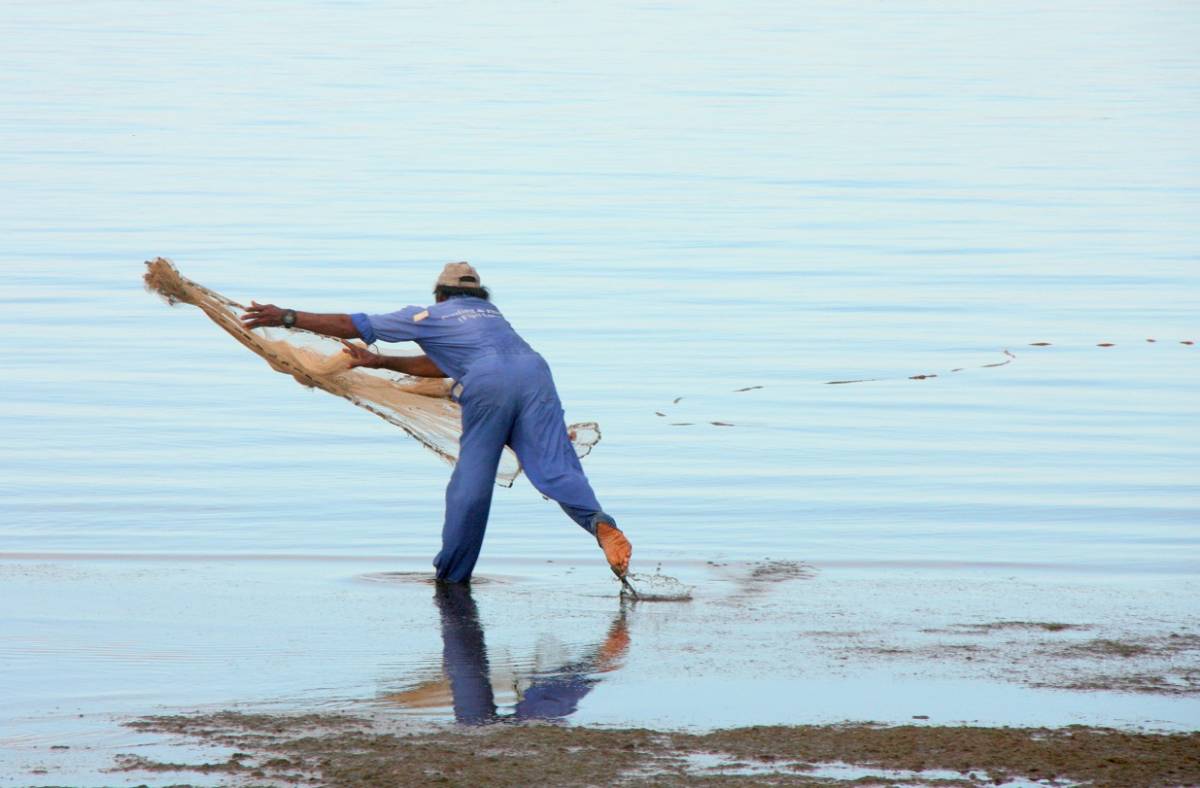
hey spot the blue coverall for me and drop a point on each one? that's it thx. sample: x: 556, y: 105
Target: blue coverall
x: 507, y: 398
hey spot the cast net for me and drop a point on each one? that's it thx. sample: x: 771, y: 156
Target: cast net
x: 422, y: 407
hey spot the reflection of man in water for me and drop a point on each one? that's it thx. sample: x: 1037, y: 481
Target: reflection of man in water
x: 508, y: 398
x: 552, y: 695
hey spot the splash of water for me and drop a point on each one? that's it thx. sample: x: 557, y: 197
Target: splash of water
x: 655, y: 588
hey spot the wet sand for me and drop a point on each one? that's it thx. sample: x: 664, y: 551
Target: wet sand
x: 344, y: 751
x: 361, y: 671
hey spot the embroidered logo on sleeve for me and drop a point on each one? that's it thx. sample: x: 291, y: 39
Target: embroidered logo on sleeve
x: 418, y: 317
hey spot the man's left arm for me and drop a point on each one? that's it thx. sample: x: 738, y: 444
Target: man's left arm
x: 417, y: 366
x: 331, y: 325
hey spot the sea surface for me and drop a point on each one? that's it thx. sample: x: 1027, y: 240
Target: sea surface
x: 667, y: 201
x: 673, y: 203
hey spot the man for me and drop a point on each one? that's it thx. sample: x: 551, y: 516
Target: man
x: 508, y: 398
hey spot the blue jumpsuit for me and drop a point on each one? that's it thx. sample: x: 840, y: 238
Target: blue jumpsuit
x: 508, y: 398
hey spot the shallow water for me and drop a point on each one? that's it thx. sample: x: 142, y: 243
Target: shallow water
x: 672, y: 204
x: 102, y: 641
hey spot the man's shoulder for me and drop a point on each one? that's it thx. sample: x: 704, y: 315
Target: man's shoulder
x: 405, y: 312
x: 458, y: 306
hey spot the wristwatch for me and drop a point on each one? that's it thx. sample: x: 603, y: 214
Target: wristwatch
x: 289, y: 318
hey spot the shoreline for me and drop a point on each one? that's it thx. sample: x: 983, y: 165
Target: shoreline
x: 353, y: 751
x: 525, y: 564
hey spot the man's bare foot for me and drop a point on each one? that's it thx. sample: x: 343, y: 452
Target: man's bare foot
x: 617, y: 549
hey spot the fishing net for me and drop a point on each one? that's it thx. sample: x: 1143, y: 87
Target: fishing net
x: 422, y: 407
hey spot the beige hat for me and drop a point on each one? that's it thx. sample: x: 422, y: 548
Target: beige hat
x: 459, y: 275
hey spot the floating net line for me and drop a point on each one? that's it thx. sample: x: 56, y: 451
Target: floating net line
x: 422, y: 407
x: 1008, y: 358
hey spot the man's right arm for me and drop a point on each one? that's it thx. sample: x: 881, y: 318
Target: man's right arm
x: 399, y: 326
x: 331, y: 325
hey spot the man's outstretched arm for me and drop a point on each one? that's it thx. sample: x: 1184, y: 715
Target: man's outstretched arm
x: 331, y: 325
x: 417, y: 366
x: 342, y: 327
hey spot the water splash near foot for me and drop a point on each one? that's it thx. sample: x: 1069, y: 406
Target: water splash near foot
x: 655, y: 588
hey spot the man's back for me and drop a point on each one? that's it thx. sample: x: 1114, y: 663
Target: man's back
x: 454, y: 333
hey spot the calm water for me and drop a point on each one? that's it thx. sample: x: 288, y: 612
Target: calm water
x: 669, y: 201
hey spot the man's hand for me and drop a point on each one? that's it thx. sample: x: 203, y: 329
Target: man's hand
x: 262, y: 316
x: 361, y: 357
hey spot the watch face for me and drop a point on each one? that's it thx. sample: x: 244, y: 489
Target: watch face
x: 289, y: 319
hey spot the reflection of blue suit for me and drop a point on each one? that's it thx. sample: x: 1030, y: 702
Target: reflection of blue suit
x: 508, y: 398
x: 464, y: 655
x: 555, y: 696
x: 552, y: 695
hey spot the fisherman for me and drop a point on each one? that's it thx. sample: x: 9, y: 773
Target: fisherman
x: 507, y: 395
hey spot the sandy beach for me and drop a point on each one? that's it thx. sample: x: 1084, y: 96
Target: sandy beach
x: 344, y: 751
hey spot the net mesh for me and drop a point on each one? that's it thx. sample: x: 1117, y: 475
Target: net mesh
x: 422, y: 407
